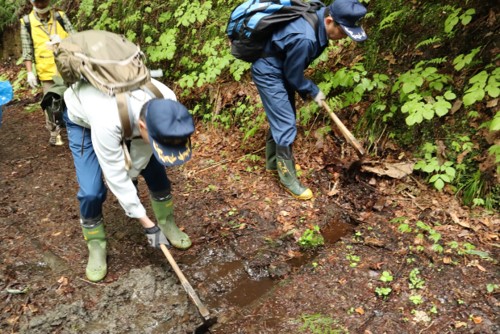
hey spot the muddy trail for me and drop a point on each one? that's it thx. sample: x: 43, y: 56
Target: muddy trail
x: 398, y: 257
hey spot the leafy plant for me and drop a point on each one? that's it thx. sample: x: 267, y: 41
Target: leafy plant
x: 388, y: 21
x: 419, y: 100
x: 321, y: 324
x: 462, y: 60
x: 440, y: 173
x: 311, y: 238
x: 9, y: 12
x: 490, y: 287
x: 416, y: 299
x: 383, y: 291
x: 353, y: 259
x: 481, y: 84
x: 416, y: 282
x: 455, y: 17
x: 386, y: 277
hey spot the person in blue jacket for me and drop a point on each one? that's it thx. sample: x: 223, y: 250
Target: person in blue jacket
x: 6, y: 94
x: 292, y: 49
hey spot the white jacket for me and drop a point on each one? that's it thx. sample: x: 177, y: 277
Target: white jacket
x: 92, y: 109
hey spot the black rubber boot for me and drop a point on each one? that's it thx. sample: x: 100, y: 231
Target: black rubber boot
x: 270, y: 153
x: 288, y: 175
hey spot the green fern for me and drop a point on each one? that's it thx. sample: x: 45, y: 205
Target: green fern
x: 429, y: 41
x: 388, y: 21
x: 438, y: 61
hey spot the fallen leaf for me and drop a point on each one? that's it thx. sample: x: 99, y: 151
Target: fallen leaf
x: 456, y: 106
x: 333, y: 192
x: 395, y: 170
x: 477, y: 320
x: 460, y: 324
x: 13, y: 319
x: 360, y: 310
x: 421, y: 316
x: 62, y: 281
x: 492, y: 103
x: 447, y: 260
x: 56, y: 234
x: 480, y: 267
x: 458, y: 221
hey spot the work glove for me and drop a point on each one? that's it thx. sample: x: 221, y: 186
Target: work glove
x: 156, y: 237
x: 54, y: 40
x: 32, y: 81
x: 319, y: 98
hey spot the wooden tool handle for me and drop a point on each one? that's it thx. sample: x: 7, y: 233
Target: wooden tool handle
x: 347, y: 134
x: 189, y: 289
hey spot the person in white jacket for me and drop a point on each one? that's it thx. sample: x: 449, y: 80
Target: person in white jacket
x: 161, y: 127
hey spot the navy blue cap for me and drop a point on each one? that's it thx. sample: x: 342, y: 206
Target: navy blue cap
x: 170, y: 126
x: 348, y: 13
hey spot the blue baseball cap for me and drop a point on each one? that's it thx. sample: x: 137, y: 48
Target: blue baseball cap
x: 348, y: 13
x: 170, y: 126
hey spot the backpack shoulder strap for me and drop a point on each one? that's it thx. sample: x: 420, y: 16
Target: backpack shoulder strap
x: 122, y: 103
x: 312, y: 18
x: 123, y: 107
x: 26, y: 21
x: 152, y: 90
x: 58, y: 15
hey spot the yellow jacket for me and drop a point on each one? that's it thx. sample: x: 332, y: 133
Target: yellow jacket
x: 44, y: 58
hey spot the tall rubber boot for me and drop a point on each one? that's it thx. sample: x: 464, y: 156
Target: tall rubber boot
x: 271, y: 165
x: 270, y: 153
x: 164, y: 213
x: 288, y: 175
x: 97, y: 267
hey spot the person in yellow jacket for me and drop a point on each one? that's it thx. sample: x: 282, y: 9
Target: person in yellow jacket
x: 43, y: 26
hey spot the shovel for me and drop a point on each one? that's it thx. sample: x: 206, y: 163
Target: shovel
x: 347, y: 134
x: 208, y: 321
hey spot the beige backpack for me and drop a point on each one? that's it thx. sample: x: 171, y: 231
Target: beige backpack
x: 109, y: 62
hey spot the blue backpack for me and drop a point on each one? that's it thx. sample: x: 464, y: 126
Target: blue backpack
x: 253, y: 22
x: 6, y: 95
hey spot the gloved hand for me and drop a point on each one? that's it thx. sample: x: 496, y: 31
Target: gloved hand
x: 319, y: 98
x: 32, y: 81
x: 156, y: 237
x: 55, y: 39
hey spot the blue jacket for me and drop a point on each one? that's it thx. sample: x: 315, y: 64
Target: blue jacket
x: 295, y: 47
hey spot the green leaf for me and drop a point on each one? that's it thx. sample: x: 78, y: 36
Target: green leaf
x: 445, y: 178
x: 408, y: 87
x: 439, y: 184
x: 442, y: 107
x: 493, y: 91
x: 495, y: 124
x: 451, y: 172
x: 434, y: 178
x: 449, y: 95
x: 472, y: 96
x: 428, y: 112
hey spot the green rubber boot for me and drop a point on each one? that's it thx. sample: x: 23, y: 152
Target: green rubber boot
x: 97, y: 267
x: 271, y: 165
x: 164, y: 212
x: 288, y: 174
